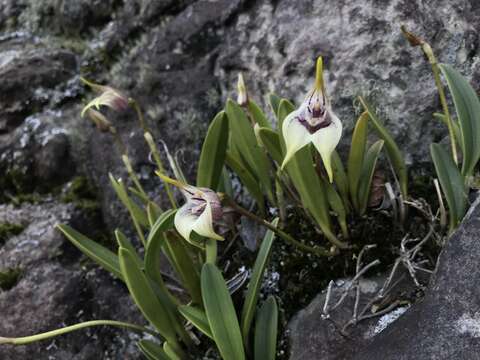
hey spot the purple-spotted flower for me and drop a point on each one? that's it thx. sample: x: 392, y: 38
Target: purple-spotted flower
x: 108, y: 96
x: 313, y: 122
x: 198, y: 214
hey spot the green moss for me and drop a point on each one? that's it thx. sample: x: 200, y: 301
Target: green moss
x: 81, y: 193
x: 9, y: 278
x: 7, y: 230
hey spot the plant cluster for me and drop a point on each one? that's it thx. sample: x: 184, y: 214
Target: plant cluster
x: 285, y: 164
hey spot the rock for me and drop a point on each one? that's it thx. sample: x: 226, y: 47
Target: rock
x: 316, y: 336
x: 54, y: 289
x: 446, y: 323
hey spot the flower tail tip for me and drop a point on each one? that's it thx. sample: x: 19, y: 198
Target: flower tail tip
x: 319, y: 85
x: 169, y: 180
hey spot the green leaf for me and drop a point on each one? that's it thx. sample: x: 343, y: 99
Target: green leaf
x: 125, y: 243
x: 153, y: 254
x: 247, y: 179
x: 212, y: 156
x: 176, y: 250
x: 152, y: 350
x: 170, y: 351
x: 340, y: 179
x: 284, y: 108
x: 393, y: 152
x: 144, y: 296
x: 271, y: 141
x: 251, y: 298
x: 456, y: 127
x: 136, y: 212
x: 452, y: 183
x: 274, y: 101
x: 266, y: 328
x: 197, y: 317
x: 368, y: 170
x: 258, y: 115
x: 221, y: 314
x: 153, y: 212
x: 337, y: 206
x: 101, y: 255
x: 356, y: 156
x: 467, y: 106
x: 243, y: 138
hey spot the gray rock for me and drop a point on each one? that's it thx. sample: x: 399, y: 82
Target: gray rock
x: 55, y: 290
x: 446, y: 323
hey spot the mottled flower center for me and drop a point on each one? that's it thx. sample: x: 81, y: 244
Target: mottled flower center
x: 198, y: 202
x: 315, y: 116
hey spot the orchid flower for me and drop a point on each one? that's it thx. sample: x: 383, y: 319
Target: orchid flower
x: 198, y: 214
x: 100, y: 120
x: 109, y: 97
x: 313, y: 122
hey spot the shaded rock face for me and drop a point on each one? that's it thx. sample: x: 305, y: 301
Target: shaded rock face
x: 53, y: 289
x: 180, y: 60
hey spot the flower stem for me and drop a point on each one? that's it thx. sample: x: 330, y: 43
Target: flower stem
x: 68, y: 329
x: 319, y: 251
x: 211, y: 251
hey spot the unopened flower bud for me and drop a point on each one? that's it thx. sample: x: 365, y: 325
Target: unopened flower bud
x: 413, y: 39
x: 242, y: 98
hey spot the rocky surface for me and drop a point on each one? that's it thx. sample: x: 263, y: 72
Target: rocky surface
x: 180, y: 60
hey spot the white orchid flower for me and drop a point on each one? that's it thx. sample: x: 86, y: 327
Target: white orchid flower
x: 202, y: 209
x: 313, y: 122
x: 108, y: 96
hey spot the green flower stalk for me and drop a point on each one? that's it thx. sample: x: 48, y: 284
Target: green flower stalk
x: 313, y: 122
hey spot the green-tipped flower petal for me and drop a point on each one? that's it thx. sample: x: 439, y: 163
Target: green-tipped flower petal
x: 313, y: 122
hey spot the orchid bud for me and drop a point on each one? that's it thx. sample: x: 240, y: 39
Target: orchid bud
x: 242, y: 98
x: 413, y: 39
x: 313, y: 122
x: 108, y: 96
x: 198, y: 214
x: 100, y: 120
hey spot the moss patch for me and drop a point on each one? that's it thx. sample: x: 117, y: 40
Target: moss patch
x: 7, y: 230
x: 81, y: 193
x: 9, y: 278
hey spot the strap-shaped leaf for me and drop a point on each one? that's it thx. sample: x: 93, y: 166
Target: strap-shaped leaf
x: 197, y: 317
x: 153, y: 212
x: 153, y: 255
x: 177, y: 252
x: 336, y: 205
x: 243, y: 138
x: 212, y: 156
x: 247, y: 179
x: 467, y: 106
x: 271, y: 141
x: 144, y: 296
x: 266, y: 329
x: 101, y: 255
x: 251, y: 298
x: 274, y: 101
x: 357, y: 155
x: 136, y: 212
x: 125, y: 243
x: 393, y: 152
x: 152, y: 350
x: 340, y: 179
x: 221, y: 314
x: 285, y: 107
x: 258, y: 115
x: 368, y: 170
x: 170, y: 351
x: 452, y: 183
